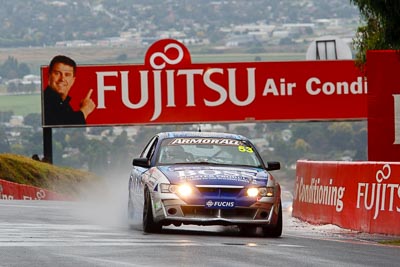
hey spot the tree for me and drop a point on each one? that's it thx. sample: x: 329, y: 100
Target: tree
x: 11, y: 69
x: 5, y: 116
x: 32, y: 142
x: 12, y: 87
x: 382, y: 29
x: 242, y: 130
x: 120, y: 152
x: 4, y: 144
x: 33, y: 119
x: 341, y: 135
x: 23, y: 69
x: 98, y: 153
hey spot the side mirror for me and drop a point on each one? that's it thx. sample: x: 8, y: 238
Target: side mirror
x: 141, y: 162
x: 273, y: 165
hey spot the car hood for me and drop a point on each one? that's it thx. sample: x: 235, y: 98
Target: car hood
x: 215, y: 175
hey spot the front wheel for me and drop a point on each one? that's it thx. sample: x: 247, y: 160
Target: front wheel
x: 275, y: 230
x: 149, y: 226
x: 130, y: 213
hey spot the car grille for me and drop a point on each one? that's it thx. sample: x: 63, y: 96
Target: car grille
x: 217, y: 192
x: 201, y: 212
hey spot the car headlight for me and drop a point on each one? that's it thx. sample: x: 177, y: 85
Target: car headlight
x: 252, y: 192
x: 166, y: 188
x: 260, y: 191
x: 183, y: 190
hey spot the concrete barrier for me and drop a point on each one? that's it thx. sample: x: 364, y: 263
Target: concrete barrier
x: 363, y: 196
x: 11, y: 191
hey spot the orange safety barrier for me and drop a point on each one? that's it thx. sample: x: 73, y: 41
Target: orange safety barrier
x: 14, y: 191
x: 363, y: 196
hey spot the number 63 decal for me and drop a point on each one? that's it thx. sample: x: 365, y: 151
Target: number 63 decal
x: 245, y: 149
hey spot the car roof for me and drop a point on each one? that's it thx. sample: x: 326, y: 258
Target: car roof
x: 193, y: 134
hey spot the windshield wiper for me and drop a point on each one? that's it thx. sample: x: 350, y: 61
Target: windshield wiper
x: 201, y: 162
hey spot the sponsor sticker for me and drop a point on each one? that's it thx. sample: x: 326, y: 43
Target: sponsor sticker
x: 219, y: 204
x: 205, y: 141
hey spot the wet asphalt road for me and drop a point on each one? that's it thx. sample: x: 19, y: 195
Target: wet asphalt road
x: 49, y: 233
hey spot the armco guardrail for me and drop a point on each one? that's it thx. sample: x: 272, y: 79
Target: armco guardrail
x: 363, y: 196
x: 11, y: 191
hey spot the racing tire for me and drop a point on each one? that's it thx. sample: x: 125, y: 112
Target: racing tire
x: 130, y: 214
x: 149, y: 226
x: 275, y: 230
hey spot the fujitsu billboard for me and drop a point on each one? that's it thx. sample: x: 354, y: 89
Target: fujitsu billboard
x: 169, y: 89
x: 383, y: 67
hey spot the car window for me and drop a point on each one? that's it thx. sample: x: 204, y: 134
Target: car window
x: 208, y: 150
x: 152, y: 149
x: 148, y: 151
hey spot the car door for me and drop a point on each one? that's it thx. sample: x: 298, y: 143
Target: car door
x: 139, y: 174
x: 148, y: 153
x: 137, y: 179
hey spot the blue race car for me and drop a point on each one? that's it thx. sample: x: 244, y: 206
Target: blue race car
x: 204, y: 178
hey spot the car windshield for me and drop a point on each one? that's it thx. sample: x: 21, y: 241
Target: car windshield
x: 207, y: 151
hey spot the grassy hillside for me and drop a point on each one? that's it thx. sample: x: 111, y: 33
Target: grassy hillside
x: 24, y: 170
x: 21, y: 104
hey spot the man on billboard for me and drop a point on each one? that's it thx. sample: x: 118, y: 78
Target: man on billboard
x: 57, y: 108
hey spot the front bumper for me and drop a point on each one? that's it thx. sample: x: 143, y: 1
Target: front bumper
x: 177, y: 212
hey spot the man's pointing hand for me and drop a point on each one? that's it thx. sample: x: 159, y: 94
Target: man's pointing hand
x: 87, y: 104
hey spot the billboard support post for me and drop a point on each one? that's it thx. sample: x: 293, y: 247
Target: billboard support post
x: 48, y: 145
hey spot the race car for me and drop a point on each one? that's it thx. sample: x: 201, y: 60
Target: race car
x: 204, y: 178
